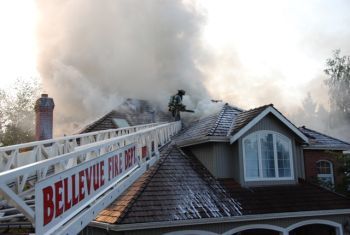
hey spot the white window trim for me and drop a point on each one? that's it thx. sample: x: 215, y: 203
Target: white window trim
x: 326, y: 175
x: 260, y: 178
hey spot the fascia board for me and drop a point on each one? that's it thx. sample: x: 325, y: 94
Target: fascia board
x: 231, y: 219
x: 261, y: 116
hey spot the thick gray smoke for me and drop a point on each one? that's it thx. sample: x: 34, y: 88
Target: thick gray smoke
x: 94, y: 54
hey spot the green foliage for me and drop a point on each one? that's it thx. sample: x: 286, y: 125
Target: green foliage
x: 344, y: 171
x: 17, y: 113
x: 338, y: 81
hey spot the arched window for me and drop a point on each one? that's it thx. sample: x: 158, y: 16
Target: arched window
x: 325, y: 171
x: 267, y: 156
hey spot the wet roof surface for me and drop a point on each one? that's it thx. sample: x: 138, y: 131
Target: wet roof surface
x: 285, y: 198
x: 227, y: 121
x: 181, y: 188
x: 322, y: 141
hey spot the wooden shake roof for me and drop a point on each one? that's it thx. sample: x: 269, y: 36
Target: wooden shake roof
x: 179, y: 187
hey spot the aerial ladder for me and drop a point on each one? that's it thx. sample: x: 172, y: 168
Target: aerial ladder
x: 60, y: 185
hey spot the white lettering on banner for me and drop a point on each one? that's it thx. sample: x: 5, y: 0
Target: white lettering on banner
x: 59, y: 197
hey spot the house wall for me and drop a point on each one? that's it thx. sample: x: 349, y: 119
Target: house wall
x: 271, y: 123
x: 217, y: 228
x: 221, y: 159
x: 205, y: 154
x: 224, y: 159
x: 311, y: 157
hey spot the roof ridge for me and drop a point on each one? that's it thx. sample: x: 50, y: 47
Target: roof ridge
x: 246, y: 111
x: 217, y: 122
x: 98, y: 121
x: 324, y: 135
x: 262, y: 106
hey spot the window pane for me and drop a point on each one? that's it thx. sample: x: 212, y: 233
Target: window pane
x: 267, y: 155
x: 251, y: 157
x: 324, y: 167
x: 283, y: 157
x: 326, y: 179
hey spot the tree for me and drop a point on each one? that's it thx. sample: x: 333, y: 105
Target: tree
x: 338, y: 81
x: 17, y: 113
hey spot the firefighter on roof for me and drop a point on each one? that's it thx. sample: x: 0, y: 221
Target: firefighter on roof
x: 175, y: 105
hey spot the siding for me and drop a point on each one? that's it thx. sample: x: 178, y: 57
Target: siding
x: 224, y: 158
x: 221, y: 159
x: 236, y: 162
x: 204, y: 153
x: 271, y: 123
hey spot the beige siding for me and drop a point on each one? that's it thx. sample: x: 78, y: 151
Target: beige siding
x: 236, y: 162
x: 224, y: 158
x: 204, y: 153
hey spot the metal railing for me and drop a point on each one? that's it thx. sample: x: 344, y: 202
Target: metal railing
x: 150, y: 137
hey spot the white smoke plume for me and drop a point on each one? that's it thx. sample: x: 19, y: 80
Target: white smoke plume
x: 93, y: 54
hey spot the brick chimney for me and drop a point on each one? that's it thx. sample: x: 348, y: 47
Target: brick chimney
x: 44, y: 117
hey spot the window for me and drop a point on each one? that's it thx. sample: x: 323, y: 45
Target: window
x: 267, y: 156
x: 120, y: 123
x: 325, y: 171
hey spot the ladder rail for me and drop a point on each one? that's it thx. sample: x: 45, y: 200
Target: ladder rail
x: 23, y: 154
x: 151, y: 137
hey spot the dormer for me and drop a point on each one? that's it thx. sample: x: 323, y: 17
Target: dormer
x: 255, y: 147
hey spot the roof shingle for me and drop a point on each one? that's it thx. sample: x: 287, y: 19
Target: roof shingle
x: 243, y: 118
x: 318, y: 140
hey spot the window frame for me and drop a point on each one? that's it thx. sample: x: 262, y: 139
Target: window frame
x: 326, y: 175
x: 275, y: 135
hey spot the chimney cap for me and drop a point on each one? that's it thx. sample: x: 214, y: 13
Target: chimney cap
x: 44, y: 102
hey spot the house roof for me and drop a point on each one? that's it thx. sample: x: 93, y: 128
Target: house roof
x: 179, y: 187
x: 215, y: 125
x: 135, y: 112
x: 318, y: 140
x: 230, y: 123
x: 243, y: 118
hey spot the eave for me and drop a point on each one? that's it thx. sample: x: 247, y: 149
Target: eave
x: 232, y: 219
x: 264, y: 113
x: 326, y: 148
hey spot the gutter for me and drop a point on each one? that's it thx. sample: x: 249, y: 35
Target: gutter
x: 327, y: 148
x: 232, y: 219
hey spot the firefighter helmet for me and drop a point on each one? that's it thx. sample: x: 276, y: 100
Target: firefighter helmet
x: 181, y: 92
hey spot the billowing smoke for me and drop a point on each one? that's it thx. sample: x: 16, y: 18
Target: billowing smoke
x: 94, y: 54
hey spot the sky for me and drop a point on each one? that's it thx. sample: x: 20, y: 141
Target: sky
x: 284, y: 43
x: 17, y: 41
x: 248, y: 53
